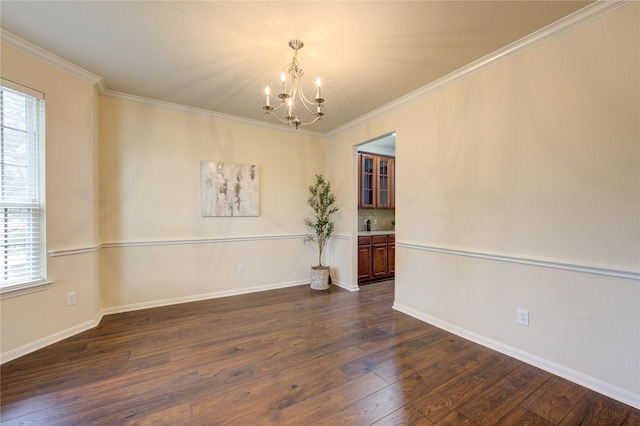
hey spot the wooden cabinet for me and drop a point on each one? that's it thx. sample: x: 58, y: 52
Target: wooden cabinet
x: 376, y: 182
x: 376, y: 257
x: 364, y: 259
x: 380, y: 257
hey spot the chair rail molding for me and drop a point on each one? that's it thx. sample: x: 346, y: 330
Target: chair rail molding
x: 545, y: 263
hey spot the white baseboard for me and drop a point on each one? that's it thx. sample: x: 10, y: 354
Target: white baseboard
x: 49, y: 340
x: 72, y: 331
x: 594, y: 384
x: 198, y: 297
x: 346, y: 286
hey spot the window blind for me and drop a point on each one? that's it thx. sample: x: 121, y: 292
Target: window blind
x: 22, y: 247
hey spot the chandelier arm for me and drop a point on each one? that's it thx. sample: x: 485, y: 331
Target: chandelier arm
x: 282, y: 120
x: 286, y: 70
x: 292, y: 121
x: 270, y: 109
x: 294, y: 89
x: 310, y: 122
x: 282, y: 105
x: 291, y: 76
x: 308, y: 104
x: 306, y: 101
x: 313, y: 114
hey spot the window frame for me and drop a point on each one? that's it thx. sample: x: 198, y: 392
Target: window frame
x: 35, y: 118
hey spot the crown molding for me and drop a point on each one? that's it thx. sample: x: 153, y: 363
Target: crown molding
x: 202, y: 112
x: 31, y: 49
x: 551, y: 31
x: 48, y: 57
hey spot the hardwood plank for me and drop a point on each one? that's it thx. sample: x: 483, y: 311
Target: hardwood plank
x: 595, y: 409
x: 59, y: 377
x: 281, y: 358
x: 340, y: 397
x: 377, y: 405
x: 495, y: 401
x: 390, y: 355
x: 522, y: 416
x: 257, y: 399
x: 439, y: 402
x: 454, y: 418
x: 288, y: 356
x: 178, y: 414
x: 438, y: 363
x: 28, y: 407
x: 633, y: 419
x: 404, y: 416
x: 554, y: 399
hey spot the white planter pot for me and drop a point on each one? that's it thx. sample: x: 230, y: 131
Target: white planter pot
x: 320, y: 278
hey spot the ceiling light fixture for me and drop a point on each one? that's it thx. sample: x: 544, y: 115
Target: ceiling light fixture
x: 292, y: 95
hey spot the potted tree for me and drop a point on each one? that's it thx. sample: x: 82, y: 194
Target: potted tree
x: 322, y: 201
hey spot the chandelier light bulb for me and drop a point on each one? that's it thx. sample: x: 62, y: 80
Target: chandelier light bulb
x: 308, y: 111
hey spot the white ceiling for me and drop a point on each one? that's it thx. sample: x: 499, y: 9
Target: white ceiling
x: 219, y: 55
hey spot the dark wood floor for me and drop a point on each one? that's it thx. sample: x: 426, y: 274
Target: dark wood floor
x: 287, y: 357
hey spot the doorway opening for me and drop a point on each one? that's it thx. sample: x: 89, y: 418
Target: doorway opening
x: 376, y: 209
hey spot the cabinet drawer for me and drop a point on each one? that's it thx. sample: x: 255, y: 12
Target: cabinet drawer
x: 391, y: 239
x: 379, y: 239
x: 363, y: 241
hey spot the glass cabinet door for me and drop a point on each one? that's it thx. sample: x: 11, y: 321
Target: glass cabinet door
x: 383, y: 183
x: 376, y: 182
x: 367, y: 180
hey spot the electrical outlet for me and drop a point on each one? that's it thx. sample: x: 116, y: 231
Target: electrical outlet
x: 523, y: 317
x: 241, y: 270
x: 71, y: 298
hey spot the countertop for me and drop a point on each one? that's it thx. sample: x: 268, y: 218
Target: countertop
x: 371, y: 233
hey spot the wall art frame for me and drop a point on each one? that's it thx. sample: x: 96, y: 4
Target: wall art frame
x: 229, y: 190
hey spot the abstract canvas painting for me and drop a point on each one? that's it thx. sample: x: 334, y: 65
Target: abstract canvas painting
x: 229, y: 189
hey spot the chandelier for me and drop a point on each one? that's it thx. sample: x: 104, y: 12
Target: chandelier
x: 292, y: 99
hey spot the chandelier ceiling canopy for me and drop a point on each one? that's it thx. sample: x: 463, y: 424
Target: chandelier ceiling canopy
x: 293, y: 107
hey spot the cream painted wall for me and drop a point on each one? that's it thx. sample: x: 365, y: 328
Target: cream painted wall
x: 71, y: 208
x: 150, y: 194
x: 533, y: 159
x: 123, y: 214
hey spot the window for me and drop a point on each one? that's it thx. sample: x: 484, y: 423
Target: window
x: 22, y: 245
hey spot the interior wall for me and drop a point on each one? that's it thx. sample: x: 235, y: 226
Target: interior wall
x: 518, y: 187
x: 506, y: 181
x: 157, y: 246
x: 71, y: 105
x: 124, y: 229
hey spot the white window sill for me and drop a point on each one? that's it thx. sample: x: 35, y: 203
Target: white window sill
x: 21, y: 289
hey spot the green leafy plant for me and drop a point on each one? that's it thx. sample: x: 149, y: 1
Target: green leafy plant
x: 322, y: 201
